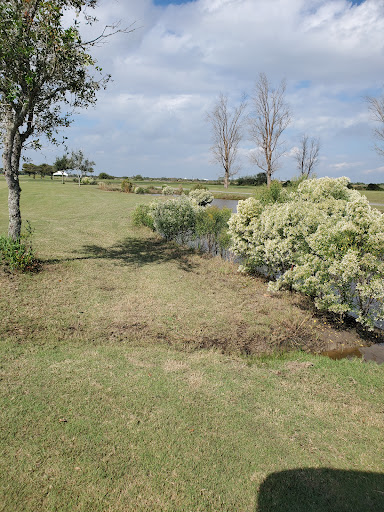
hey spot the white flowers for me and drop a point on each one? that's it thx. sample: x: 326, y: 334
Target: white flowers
x: 201, y: 197
x: 325, y: 241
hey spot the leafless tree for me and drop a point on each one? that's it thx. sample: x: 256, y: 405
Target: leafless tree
x: 376, y: 107
x: 270, y: 117
x: 226, y: 124
x: 307, y: 155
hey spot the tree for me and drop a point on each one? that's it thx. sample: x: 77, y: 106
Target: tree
x: 82, y: 165
x: 105, y: 176
x: 30, y: 169
x: 62, y: 164
x: 45, y: 170
x: 376, y: 107
x: 270, y: 117
x: 226, y: 127
x: 307, y: 155
x: 44, y: 66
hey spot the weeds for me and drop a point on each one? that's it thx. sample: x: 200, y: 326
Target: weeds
x: 18, y: 255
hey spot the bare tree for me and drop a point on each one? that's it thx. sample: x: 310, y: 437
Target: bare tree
x: 226, y: 126
x: 270, y: 117
x: 376, y: 107
x: 307, y: 155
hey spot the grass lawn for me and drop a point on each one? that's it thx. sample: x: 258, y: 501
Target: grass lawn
x: 132, y: 380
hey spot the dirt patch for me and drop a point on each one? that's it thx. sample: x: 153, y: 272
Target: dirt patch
x: 295, y: 366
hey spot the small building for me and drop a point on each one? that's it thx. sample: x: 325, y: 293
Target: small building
x: 60, y: 173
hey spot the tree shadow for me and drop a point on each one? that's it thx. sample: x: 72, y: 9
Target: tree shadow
x: 137, y: 252
x: 321, y: 490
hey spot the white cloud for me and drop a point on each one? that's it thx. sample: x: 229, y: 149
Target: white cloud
x: 377, y: 170
x: 345, y: 165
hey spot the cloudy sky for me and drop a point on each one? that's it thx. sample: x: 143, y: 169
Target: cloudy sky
x: 168, y: 73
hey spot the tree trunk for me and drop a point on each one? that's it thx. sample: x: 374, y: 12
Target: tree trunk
x: 226, y: 179
x: 14, y: 227
x: 11, y: 162
x: 269, y: 178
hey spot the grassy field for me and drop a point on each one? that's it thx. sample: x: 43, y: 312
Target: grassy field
x: 128, y: 381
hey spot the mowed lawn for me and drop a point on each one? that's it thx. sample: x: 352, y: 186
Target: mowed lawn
x: 132, y: 378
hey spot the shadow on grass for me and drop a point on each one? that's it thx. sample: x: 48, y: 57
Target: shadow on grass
x: 137, y: 252
x: 321, y: 490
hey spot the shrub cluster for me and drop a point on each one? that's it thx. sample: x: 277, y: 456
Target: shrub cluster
x: 324, y: 240
x: 105, y: 176
x: 255, y: 180
x: 88, y: 180
x: 127, y: 185
x: 174, y: 219
x: 185, y: 221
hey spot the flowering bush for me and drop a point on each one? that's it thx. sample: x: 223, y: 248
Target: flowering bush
x: 87, y: 180
x: 168, y: 191
x: 325, y: 241
x: 201, y: 197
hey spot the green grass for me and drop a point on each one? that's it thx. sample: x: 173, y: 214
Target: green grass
x: 123, y: 387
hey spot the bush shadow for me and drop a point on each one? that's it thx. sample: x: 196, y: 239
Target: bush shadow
x: 140, y: 252
x: 321, y: 490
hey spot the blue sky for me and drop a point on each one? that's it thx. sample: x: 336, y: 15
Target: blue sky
x: 168, y: 73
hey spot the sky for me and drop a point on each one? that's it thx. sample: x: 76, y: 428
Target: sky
x: 168, y: 73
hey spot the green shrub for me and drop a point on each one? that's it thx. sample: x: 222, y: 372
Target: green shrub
x: 105, y: 176
x: 18, y: 254
x: 127, y: 185
x: 211, y: 228
x: 139, y: 190
x: 179, y: 190
x: 255, y: 180
x: 199, y: 186
x: 174, y: 219
x: 152, y: 190
x: 142, y: 216
x: 374, y: 186
x: 273, y: 194
x: 325, y: 241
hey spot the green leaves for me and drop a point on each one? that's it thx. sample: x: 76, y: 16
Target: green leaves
x: 41, y: 62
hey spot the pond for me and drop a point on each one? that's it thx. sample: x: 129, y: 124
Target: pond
x: 226, y: 203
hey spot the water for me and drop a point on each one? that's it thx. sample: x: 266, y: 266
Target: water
x: 226, y: 203
x: 373, y: 353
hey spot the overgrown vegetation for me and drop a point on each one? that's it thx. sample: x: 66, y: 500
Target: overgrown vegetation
x: 18, y: 255
x: 127, y: 185
x: 323, y: 240
x: 188, y: 219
